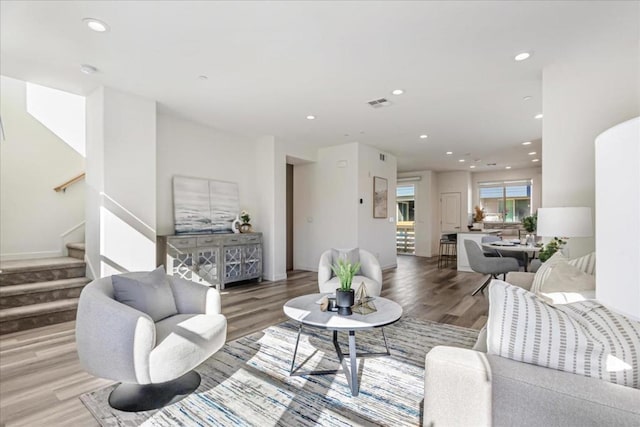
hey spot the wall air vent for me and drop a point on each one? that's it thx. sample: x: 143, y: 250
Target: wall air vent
x: 491, y: 164
x: 379, y: 103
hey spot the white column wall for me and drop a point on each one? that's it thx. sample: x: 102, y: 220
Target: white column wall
x: 617, y: 226
x: 121, y: 174
x: 270, y: 163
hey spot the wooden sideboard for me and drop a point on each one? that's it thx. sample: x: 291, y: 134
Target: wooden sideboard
x: 212, y: 259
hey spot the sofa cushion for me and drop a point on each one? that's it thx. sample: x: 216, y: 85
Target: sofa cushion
x: 583, y: 338
x: 149, y: 293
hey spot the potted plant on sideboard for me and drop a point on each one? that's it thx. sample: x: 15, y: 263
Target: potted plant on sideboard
x: 345, y: 271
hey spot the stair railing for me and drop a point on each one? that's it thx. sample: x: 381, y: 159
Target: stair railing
x: 63, y: 187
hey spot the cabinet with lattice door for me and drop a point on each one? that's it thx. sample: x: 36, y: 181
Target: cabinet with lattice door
x: 212, y: 259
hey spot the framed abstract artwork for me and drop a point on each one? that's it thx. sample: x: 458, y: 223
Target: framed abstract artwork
x: 204, y: 205
x: 380, y: 192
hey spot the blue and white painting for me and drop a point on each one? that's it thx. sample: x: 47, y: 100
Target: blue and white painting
x: 204, y: 206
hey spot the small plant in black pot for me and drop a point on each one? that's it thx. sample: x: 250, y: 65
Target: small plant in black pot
x: 345, y: 271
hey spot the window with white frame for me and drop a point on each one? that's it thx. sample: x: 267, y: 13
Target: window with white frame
x: 508, y: 201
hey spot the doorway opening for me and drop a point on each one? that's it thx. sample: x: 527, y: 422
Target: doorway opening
x: 405, y: 214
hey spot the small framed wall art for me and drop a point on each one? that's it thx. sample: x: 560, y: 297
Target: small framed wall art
x: 380, y: 191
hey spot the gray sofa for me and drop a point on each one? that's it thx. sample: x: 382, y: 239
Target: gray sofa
x: 471, y: 388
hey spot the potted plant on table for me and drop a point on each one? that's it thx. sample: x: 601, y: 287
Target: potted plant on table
x: 245, y: 227
x: 345, y: 271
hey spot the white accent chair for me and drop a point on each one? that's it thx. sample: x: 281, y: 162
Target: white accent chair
x: 370, y: 273
x: 153, y: 361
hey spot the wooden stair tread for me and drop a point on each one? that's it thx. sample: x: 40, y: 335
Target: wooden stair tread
x: 24, y: 265
x: 30, y: 288
x: 37, y: 309
x: 79, y: 246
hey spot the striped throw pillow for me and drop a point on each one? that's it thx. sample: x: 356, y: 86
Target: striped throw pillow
x: 586, y: 264
x: 583, y: 338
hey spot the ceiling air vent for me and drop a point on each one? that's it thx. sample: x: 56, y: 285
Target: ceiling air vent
x: 379, y: 103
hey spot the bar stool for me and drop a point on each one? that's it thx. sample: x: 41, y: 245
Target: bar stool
x: 448, y: 250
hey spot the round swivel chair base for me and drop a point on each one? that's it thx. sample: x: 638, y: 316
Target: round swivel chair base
x: 145, y: 397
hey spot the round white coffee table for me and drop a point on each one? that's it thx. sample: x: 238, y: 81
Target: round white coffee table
x: 306, y: 311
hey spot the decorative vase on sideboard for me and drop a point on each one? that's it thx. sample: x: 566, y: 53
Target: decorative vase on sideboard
x: 245, y: 228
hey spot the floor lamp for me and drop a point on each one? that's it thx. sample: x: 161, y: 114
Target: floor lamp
x: 565, y: 223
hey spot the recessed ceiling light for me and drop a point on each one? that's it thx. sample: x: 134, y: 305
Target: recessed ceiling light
x: 88, y: 69
x: 397, y: 92
x: 310, y: 117
x: 472, y: 167
x: 203, y: 77
x: 96, y: 25
x: 526, y: 143
x: 538, y: 116
x: 535, y: 160
x: 507, y: 167
x: 533, y: 153
x: 461, y: 160
x: 423, y: 136
x: 522, y: 56
x: 449, y: 153
x: 527, y: 98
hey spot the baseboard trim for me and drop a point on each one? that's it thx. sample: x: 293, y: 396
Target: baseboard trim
x: 30, y: 255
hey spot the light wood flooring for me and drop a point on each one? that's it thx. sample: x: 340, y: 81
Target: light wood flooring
x: 41, y: 377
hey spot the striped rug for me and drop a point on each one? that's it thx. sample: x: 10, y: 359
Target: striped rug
x: 247, y: 383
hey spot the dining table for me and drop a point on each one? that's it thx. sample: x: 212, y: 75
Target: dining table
x: 513, y: 246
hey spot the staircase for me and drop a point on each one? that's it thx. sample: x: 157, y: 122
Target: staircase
x: 41, y: 292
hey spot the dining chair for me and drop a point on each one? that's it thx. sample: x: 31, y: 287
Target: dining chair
x: 488, y: 265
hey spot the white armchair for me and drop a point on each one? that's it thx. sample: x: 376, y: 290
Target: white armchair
x: 370, y: 273
x: 152, y: 360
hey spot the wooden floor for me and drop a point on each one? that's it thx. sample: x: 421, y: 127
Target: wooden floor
x: 41, y: 378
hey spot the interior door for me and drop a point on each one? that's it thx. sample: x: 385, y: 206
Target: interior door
x: 449, y: 212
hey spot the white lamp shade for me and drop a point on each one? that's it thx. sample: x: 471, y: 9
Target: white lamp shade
x: 565, y: 222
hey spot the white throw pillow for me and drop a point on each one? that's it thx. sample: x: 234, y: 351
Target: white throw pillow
x: 583, y: 338
x: 586, y: 264
x: 564, y: 277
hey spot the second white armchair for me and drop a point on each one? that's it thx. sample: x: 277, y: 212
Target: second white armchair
x: 370, y: 271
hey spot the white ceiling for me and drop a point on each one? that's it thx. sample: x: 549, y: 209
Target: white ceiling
x: 270, y: 64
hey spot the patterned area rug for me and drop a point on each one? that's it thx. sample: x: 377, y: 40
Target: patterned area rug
x: 247, y: 383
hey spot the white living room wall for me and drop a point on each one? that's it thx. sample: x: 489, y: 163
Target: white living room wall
x: 121, y: 182
x: 325, y: 204
x: 377, y: 235
x: 186, y: 148
x: 33, y: 160
x: 270, y: 164
x: 595, y: 88
x: 426, y: 218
